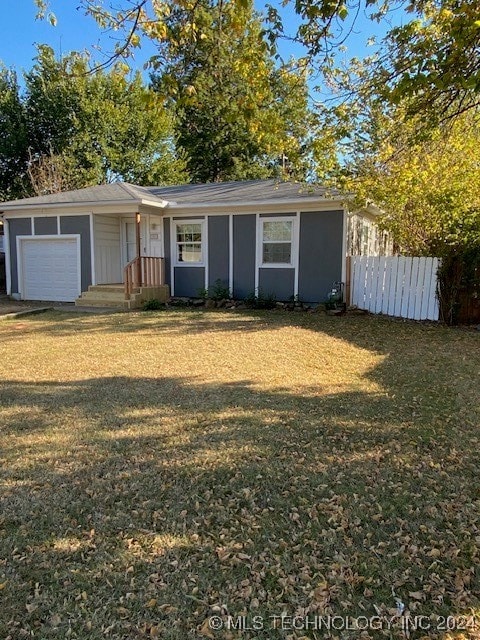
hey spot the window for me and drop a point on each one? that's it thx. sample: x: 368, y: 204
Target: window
x: 188, y: 238
x: 277, y: 242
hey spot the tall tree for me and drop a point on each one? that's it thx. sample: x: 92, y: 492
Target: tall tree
x: 434, y: 57
x: 98, y: 127
x: 238, y: 116
x: 13, y: 138
x: 429, y: 190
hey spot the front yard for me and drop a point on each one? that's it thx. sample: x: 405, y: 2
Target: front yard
x: 160, y: 469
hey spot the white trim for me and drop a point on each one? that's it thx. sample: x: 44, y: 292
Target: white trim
x: 230, y: 253
x: 344, y: 248
x: 264, y: 208
x: 204, y: 243
x: 59, y: 230
x: 296, y: 252
x: 57, y: 238
x: 293, y: 243
x: 32, y: 226
x: 144, y: 231
x: 6, y: 243
x: 172, y: 267
x: 257, y: 253
x: 146, y: 247
x: 295, y: 203
x: 92, y: 249
x: 132, y: 203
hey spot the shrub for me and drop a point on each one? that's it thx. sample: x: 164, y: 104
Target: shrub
x: 219, y: 291
x: 260, y: 300
x: 153, y: 305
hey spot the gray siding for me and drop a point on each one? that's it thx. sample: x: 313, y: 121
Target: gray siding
x: 167, y: 253
x: 45, y: 226
x: 80, y: 225
x: 244, y: 241
x: 320, y: 254
x: 218, y: 249
x: 279, y: 282
x: 17, y: 227
x: 189, y: 281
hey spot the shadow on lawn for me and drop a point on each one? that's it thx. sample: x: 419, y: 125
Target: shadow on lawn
x: 121, y: 491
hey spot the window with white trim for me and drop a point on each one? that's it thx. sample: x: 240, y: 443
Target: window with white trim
x: 277, y: 242
x: 189, y: 238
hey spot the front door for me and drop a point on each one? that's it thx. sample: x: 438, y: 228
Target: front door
x: 129, y: 234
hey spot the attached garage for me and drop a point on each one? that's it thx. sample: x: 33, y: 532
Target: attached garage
x: 49, y: 268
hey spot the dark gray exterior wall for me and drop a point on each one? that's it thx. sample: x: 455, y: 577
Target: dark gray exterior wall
x: 17, y: 227
x: 166, y: 248
x: 320, y: 254
x: 277, y: 282
x: 244, y: 241
x: 45, y: 226
x: 80, y: 225
x: 218, y: 249
x: 189, y: 281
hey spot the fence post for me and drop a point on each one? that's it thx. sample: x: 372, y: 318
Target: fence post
x: 348, y: 280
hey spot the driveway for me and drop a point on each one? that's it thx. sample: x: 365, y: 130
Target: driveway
x: 8, y: 306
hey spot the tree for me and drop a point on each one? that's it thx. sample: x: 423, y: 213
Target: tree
x: 13, y: 141
x: 97, y: 128
x: 434, y: 58
x: 431, y: 65
x: 238, y: 116
x: 430, y: 190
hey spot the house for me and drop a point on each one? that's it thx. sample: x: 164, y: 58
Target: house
x: 119, y: 243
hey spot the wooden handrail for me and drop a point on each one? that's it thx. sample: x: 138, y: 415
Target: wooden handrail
x: 145, y: 271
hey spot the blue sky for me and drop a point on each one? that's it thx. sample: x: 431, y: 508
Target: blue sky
x: 77, y: 32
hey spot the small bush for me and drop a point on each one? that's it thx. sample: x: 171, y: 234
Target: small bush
x: 153, y: 305
x: 260, y: 301
x: 219, y: 291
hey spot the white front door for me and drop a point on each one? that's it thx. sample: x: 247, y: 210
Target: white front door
x: 129, y: 235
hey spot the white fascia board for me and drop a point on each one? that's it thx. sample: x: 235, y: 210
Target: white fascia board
x: 265, y: 206
x: 123, y: 206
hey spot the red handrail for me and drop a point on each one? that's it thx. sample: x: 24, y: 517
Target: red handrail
x: 145, y: 271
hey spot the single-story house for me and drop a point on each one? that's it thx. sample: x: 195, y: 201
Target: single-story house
x: 111, y: 241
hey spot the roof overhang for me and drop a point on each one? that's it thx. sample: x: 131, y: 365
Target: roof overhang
x: 122, y: 206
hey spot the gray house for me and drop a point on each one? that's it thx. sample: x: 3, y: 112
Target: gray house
x: 120, y: 243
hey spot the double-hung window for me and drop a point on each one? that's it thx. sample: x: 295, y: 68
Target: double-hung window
x: 189, y: 238
x: 277, y: 242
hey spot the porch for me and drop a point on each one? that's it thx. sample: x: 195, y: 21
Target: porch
x: 127, y: 262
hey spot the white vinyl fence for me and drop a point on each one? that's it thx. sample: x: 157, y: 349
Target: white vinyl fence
x: 395, y: 286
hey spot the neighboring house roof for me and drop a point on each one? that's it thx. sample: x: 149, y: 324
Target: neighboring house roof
x: 250, y: 191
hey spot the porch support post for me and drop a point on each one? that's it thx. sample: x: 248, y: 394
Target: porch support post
x: 138, y: 243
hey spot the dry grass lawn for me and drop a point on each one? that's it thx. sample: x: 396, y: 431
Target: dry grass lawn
x: 159, y: 469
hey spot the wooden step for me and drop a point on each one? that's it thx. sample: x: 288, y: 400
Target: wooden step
x: 101, y: 302
x: 107, y: 288
x: 103, y: 295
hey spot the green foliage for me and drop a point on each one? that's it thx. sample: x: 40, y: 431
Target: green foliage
x: 112, y: 127
x: 73, y: 129
x: 153, y: 305
x: 13, y: 138
x: 238, y: 116
x: 219, y: 291
x: 429, y: 190
x: 459, y: 285
x: 260, y: 300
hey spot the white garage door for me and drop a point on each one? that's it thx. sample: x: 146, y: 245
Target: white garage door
x: 50, y: 269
